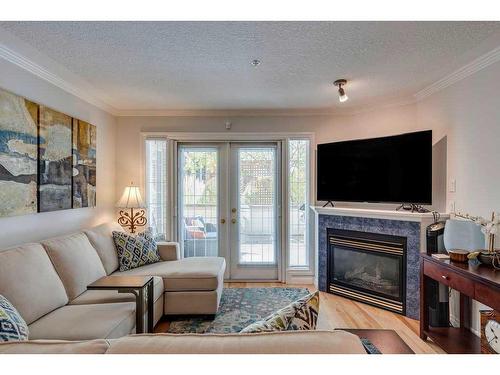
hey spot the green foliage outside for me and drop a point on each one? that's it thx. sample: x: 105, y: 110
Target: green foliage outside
x: 201, y: 166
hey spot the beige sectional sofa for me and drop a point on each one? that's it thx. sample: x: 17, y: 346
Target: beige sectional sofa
x: 285, y: 342
x: 47, y: 282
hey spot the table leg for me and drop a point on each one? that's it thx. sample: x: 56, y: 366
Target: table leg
x: 465, y: 311
x: 424, y: 310
x: 139, y: 318
x: 150, y: 297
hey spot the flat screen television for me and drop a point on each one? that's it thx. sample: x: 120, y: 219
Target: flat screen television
x: 395, y: 169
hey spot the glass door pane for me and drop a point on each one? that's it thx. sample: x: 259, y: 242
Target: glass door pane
x: 198, y: 200
x: 257, y: 205
x: 254, y: 211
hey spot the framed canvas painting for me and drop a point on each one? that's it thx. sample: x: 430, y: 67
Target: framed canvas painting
x: 84, y: 164
x: 18, y: 155
x: 55, y: 161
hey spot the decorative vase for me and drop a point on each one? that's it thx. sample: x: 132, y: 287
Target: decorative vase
x: 490, y: 258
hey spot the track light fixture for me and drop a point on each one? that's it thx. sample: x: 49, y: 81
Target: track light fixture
x: 340, y: 84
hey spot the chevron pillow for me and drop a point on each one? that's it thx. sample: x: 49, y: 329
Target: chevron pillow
x: 135, y: 251
x: 299, y: 315
x: 12, y: 325
x: 306, y: 316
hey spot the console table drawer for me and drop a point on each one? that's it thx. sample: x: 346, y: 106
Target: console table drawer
x: 450, y: 278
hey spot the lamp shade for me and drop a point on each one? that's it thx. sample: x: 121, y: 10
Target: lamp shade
x: 131, y: 198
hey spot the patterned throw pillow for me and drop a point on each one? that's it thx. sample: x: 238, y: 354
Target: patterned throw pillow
x: 306, y: 316
x: 12, y: 325
x: 277, y: 321
x: 299, y: 315
x: 135, y: 251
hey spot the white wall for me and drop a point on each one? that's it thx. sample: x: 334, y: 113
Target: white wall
x: 468, y: 112
x: 20, y: 229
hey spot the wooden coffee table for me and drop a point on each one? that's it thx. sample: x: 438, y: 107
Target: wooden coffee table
x: 141, y: 287
x: 386, y: 340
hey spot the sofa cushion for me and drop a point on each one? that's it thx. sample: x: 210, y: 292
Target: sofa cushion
x: 12, y: 325
x: 101, y: 238
x: 55, y: 347
x: 76, y: 262
x: 112, y: 296
x: 135, y: 251
x: 285, y: 342
x: 86, y: 322
x: 30, y: 282
x: 169, y: 250
x: 188, y: 274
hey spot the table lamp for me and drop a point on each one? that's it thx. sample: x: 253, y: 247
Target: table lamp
x: 131, y: 199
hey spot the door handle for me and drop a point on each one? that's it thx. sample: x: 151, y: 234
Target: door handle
x: 234, y: 210
x: 233, y: 221
x: 223, y: 221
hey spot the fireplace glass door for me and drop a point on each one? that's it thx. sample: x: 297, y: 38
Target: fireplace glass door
x: 368, y: 267
x: 370, y: 271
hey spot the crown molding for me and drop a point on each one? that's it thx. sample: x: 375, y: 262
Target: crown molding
x: 292, y: 112
x: 35, y: 69
x: 79, y: 91
x: 228, y: 112
x: 467, y: 70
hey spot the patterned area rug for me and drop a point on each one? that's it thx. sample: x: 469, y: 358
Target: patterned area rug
x: 238, y: 308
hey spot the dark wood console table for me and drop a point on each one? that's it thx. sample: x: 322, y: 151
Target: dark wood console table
x: 472, y: 281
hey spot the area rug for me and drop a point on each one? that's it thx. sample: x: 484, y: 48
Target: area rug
x: 238, y: 308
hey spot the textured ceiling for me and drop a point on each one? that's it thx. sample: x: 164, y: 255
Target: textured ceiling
x: 206, y: 65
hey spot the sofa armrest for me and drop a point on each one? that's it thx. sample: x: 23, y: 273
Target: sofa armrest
x: 169, y: 250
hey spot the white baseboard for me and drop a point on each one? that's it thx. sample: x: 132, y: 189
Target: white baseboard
x: 300, y: 279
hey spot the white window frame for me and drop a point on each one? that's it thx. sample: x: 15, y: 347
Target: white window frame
x: 307, y: 234
x: 288, y: 274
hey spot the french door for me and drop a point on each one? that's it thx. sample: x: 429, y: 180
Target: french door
x: 229, y: 205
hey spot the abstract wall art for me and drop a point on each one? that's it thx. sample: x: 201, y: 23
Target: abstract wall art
x: 48, y: 160
x: 18, y: 155
x: 84, y: 164
x: 54, y: 160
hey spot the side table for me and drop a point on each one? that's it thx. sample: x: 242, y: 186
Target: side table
x: 141, y: 287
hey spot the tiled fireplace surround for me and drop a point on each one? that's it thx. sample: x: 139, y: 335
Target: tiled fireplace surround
x: 397, y: 227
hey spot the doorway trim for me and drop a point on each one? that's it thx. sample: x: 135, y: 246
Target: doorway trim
x: 286, y: 273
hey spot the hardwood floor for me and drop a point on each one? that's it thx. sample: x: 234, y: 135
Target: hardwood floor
x: 339, y: 312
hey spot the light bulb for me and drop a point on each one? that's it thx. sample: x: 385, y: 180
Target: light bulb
x: 342, y: 95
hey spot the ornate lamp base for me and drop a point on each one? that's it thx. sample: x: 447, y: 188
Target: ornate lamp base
x: 132, y: 220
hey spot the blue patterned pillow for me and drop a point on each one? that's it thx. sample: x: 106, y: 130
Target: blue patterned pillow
x: 135, y: 251
x: 12, y: 325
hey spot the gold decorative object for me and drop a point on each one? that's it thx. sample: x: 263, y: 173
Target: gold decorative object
x: 458, y: 255
x: 131, y: 199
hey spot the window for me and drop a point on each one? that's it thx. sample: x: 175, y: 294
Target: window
x: 156, y: 186
x: 298, y: 202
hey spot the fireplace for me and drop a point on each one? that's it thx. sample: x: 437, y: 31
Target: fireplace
x: 367, y: 267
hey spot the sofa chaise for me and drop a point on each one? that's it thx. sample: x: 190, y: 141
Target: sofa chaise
x: 47, y: 283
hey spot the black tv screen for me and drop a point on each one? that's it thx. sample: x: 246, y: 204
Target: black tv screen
x: 396, y: 169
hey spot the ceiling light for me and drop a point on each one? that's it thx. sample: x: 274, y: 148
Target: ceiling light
x: 342, y: 95
x: 255, y: 62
